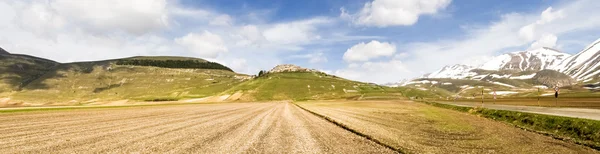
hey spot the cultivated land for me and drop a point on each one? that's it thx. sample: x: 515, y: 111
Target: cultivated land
x: 279, y: 127
x: 419, y: 128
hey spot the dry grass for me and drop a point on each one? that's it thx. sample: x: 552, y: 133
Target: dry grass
x: 582, y: 102
x: 419, y: 128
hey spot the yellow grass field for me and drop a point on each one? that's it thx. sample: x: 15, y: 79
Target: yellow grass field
x: 419, y: 128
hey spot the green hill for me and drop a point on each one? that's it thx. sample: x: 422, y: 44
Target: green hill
x: 30, y: 80
x: 19, y: 70
x: 309, y: 86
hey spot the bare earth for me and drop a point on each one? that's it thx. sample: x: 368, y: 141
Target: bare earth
x: 198, y: 128
x: 593, y: 114
x: 419, y: 128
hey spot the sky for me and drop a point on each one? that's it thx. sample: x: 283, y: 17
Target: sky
x: 376, y: 41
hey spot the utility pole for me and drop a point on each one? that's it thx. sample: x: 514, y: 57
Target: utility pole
x: 556, y: 96
x: 482, y: 97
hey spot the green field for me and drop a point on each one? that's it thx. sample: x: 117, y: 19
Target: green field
x: 310, y: 86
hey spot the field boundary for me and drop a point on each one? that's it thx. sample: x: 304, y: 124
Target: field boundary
x: 539, y: 123
x: 351, y: 130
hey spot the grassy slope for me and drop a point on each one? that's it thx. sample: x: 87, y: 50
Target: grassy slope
x: 581, y: 131
x: 164, y: 58
x: 18, y: 70
x: 295, y: 86
x: 524, y: 87
x: 88, y: 82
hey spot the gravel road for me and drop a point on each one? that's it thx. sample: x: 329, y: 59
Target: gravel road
x: 199, y: 128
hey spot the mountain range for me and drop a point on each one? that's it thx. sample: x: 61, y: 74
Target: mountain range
x: 528, y: 73
x: 32, y: 81
x: 583, y: 66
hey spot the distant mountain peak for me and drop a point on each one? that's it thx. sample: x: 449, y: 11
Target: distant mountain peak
x: 534, y: 59
x: 584, y: 65
x: 452, y: 71
x: 290, y: 68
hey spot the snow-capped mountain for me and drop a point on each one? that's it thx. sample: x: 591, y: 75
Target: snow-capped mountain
x: 397, y: 84
x: 457, y: 71
x: 532, y: 60
x: 584, y: 65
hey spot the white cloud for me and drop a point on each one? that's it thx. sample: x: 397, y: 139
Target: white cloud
x: 39, y: 18
x: 73, y: 34
x: 250, y: 35
x: 549, y: 16
x: 383, y: 13
x: 313, y: 58
x: 222, y: 20
x: 132, y: 16
x: 547, y: 40
x: 296, y: 32
x: 378, y: 72
x: 206, y: 45
x: 49, y: 34
x: 529, y: 32
x: 482, y: 42
x: 365, y: 52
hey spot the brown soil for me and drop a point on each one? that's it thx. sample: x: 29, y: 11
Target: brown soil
x: 197, y: 128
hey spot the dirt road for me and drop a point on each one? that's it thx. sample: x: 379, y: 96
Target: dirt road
x: 593, y: 114
x: 420, y: 128
x: 199, y: 128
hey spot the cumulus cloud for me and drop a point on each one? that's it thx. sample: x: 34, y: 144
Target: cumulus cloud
x: 39, y: 18
x: 482, y: 42
x: 206, y: 45
x: 222, y: 20
x: 365, y: 52
x: 549, y: 16
x: 132, y: 16
x: 313, y: 58
x: 530, y: 32
x: 249, y: 35
x: 37, y: 28
x: 295, y: 32
x: 547, y: 40
x: 378, y: 72
x: 383, y: 13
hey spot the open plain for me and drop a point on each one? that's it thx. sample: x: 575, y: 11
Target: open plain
x: 419, y: 128
x: 273, y: 127
x: 198, y: 128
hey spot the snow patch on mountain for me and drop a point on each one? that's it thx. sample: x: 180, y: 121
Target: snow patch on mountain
x: 531, y: 60
x: 584, y: 65
x: 503, y: 84
x: 523, y: 77
x: 457, y: 71
x: 537, y: 59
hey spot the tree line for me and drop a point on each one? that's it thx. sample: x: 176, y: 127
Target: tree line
x: 174, y: 64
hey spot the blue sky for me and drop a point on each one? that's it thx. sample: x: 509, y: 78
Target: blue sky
x: 367, y: 40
